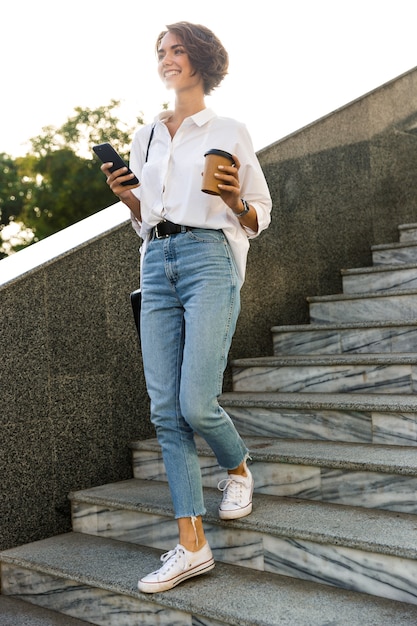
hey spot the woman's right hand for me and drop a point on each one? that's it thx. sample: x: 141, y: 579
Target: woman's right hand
x: 116, y: 178
x: 123, y: 192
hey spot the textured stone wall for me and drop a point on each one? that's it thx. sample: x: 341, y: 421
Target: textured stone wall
x: 71, y: 382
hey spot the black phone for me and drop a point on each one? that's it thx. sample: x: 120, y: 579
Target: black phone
x: 106, y: 153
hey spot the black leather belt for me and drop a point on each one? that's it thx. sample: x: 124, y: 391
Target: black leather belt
x: 167, y: 228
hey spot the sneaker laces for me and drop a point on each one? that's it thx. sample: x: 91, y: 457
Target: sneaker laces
x: 232, y: 490
x: 169, y: 559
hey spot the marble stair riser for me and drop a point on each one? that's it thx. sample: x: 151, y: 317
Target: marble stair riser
x: 387, y: 307
x: 103, y: 607
x: 364, y: 281
x: 385, y: 340
x: 360, y: 378
x: 353, y: 487
x: 18, y: 612
x: 326, y: 425
x: 407, y: 232
x: 395, y: 254
x: 383, y: 575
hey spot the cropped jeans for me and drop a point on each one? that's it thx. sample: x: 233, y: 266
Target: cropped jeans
x: 190, y: 306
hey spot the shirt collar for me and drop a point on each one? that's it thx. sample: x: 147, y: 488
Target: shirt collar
x: 200, y: 118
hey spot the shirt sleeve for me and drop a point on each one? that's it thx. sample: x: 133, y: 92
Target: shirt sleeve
x: 254, y: 188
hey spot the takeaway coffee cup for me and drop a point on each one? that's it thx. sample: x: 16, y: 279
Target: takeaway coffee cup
x: 214, y: 158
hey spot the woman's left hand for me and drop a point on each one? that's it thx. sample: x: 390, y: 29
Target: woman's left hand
x: 229, y: 186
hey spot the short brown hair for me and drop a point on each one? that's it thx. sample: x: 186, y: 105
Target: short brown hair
x: 206, y: 52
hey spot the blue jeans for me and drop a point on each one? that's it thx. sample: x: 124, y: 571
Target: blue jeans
x: 190, y: 306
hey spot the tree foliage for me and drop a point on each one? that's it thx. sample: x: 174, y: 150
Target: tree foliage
x: 59, y: 181
x: 11, y: 194
x: 84, y: 129
x: 14, y: 193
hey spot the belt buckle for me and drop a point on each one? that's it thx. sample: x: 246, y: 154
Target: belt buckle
x: 157, y: 235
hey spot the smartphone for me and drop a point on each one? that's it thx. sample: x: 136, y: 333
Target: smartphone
x: 106, y: 153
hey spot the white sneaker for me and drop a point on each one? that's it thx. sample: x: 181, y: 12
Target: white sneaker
x: 178, y: 565
x: 237, y: 495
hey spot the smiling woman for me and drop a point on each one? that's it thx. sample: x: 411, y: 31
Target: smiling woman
x: 194, y: 253
x: 211, y: 67
x: 174, y: 66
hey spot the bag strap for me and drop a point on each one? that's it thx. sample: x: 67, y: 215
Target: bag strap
x: 149, y: 143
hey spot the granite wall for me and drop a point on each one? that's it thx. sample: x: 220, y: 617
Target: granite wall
x: 73, y: 394
x: 339, y: 186
x: 71, y: 380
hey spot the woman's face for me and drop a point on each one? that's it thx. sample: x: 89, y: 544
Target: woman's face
x: 174, y: 66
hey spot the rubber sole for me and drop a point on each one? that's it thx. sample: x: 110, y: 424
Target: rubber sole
x: 154, y: 587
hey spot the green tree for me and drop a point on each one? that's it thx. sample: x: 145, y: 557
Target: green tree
x: 11, y: 197
x: 86, y: 128
x: 65, y: 188
x: 59, y: 182
x: 14, y: 190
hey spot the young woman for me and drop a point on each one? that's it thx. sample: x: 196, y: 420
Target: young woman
x: 193, y: 264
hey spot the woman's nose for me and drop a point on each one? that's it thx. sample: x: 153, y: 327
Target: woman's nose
x: 167, y: 60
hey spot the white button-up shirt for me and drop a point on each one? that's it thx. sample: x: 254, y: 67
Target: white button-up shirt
x: 172, y: 176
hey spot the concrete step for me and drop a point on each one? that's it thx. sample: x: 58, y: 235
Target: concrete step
x: 16, y: 612
x: 407, y: 232
x: 307, y: 540
x: 360, y: 337
x: 379, y: 278
x: 367, y: 307
x: 350, y: 418
x: 379, y: 477
x: 79, y: 574
x: 353, y: 373
x: 394, y: 253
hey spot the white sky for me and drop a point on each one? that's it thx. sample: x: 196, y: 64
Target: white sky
x: 291, y: 61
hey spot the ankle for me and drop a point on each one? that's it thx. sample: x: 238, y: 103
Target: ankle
x: 240, y: 470
x: 191, y: 533
x: 192, y: 546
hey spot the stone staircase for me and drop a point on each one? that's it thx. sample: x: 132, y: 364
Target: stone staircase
x: 331, y: 421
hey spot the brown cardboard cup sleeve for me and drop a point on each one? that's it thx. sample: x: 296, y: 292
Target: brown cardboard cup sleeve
x: 214, y: 158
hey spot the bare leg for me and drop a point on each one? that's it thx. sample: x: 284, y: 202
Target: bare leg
x: 240, y: 470
x: 191, y: 533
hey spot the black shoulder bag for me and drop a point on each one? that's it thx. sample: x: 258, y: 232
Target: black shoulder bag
x: 136, y: 296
